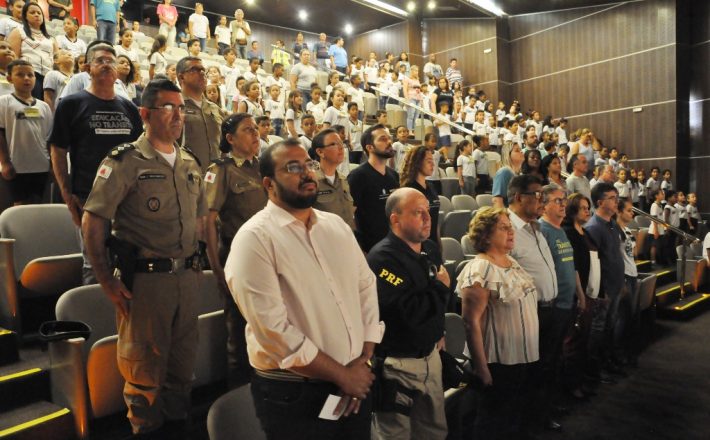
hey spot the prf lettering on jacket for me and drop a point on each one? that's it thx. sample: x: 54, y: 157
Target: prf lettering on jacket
x: 390, y: 277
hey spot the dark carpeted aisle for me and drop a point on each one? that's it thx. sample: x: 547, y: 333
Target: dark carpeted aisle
x: 666, y: 397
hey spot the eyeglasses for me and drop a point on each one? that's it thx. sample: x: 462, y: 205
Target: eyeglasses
x: 104, y: 60
x: 615, y: 198
x: 338, y: 144
x: 196, y: 69
x: 169, y: 108
x: 300, y: 168
x: 559, y: 202
x: 537, y: 194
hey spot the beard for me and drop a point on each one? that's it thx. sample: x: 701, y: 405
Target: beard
x: 387, y: 154
x: 294, y: 199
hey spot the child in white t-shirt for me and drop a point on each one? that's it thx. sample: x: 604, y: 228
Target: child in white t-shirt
x: 444, y: 128
x: 401, y: 147
x: 466, y: 167
x: 274, y: 109
x: 317, y: 106
x: 223, y: 34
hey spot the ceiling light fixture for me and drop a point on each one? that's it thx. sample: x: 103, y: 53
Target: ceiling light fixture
x: 303, y: 15
x: 431, y: 5
x: 249, y: 2
x: 348, y: 29
x: 411, y: 6
x: 384, y: 7
x: 489, y: 6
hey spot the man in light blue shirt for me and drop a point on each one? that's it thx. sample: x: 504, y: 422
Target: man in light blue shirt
x: 104, y: 16
x: 338, y: 56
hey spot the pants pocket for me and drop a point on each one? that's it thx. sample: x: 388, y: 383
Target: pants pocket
x: 138, y: 363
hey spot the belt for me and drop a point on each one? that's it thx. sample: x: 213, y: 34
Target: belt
x: 285, y: 376
x: 416, y: 354
x: 164, y: 265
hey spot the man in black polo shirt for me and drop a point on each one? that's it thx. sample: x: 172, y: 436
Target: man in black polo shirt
x: 412, y: 290
x: 370, y: 185
x: 606, y: 236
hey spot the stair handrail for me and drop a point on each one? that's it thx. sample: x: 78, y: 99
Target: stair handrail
x: 425, y: 111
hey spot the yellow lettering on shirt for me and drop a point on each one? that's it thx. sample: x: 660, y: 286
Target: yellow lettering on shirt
x: 390, y: 277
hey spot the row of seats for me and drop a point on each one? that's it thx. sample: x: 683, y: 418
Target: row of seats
x: 84, y: 374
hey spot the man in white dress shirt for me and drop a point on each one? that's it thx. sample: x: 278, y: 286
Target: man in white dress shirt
x: 310, y: 302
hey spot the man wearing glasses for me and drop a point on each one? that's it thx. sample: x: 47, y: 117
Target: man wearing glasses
x: 310, y: 302
x: 333, y: 189
x: 533, y: 254
x: 203, y: 118
x: 554, y: 202
x: 150, y: 193
x: 87, y: 125
x: 605, y: 233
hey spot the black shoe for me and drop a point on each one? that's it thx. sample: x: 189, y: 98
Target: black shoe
x: 552, y: 425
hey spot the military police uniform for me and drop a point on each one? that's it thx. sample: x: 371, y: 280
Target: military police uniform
x: 233, y: 188
x: 335, y: 197
x: 154, y: 207
x: 203, y: 125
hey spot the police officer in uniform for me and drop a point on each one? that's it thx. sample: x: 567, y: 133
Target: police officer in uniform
x: 234, y: 194
x: 333, y: 189
x: 203, y: 118
x: 152, y: 193
x: 412, y: 290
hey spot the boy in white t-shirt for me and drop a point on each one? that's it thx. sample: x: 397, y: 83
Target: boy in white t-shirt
x: 431, y: 142
x: 469, y: 112
x: 483, y: 181
x: 355, y: 128
x: 401, y: 147
x: 275, y: 109
x: 277, y: 78
x: 444, y: 128
x: 25, y: 123
x: 356, y: 94
x: 230, y: 72
x: 308, y: 126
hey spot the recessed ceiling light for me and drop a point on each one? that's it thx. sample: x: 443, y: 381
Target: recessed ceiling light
x: 348, y: 29
x: 411, y: 6
x: 302, y: 14
x: 489, y: 6
x: 378, y: 4
x: 250, y: 2
x: 431, y: 5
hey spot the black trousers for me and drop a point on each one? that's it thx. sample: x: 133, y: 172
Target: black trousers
x: 289, y: 410
x: 238, y: 369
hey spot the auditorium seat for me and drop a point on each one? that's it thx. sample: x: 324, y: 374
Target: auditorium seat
x: 445, y: 205
x: 233, y: 416
x: 464, y: 202
x: 396, y: 116
x: 455, y: 335
x: 85, y: 375
x: 484, y: 200
x: 451, y: 172
x: 456, y: 224
x: 694, y: 265
x: 467, y: 246
x: 451, y: 250
x: 642, y: 221
x: 41, y: 259
x: 450, y: 186
x: 370, y: 104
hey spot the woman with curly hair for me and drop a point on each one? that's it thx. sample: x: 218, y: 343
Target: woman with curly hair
x: 500, y: 312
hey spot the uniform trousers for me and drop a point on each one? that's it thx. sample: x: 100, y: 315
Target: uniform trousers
x: 157, y: 347
x: 427, y: 419
x: 289, y: 410
x: 239, y: 369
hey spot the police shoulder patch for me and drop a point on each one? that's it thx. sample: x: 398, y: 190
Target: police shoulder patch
x: 221, y: 161
x: 117, y: 152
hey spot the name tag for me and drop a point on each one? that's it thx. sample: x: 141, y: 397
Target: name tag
x: 149, y: 176
x: 325, y: 191
x: 32, y: 113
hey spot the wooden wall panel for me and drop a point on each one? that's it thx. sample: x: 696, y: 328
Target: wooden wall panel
x: 527, y: 24
x: 389, y: 39
x: 267, y: 35
x: 631, y: 81
x: 617, y: 32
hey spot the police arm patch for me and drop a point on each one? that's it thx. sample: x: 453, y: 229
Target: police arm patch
x: 104, y: 171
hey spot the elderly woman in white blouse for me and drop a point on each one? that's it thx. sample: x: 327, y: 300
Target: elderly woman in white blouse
x: 500, y: 311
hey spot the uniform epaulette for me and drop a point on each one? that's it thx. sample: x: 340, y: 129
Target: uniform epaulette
x: 120, y: 150
x: 191, y: 153
x: 221, y: 161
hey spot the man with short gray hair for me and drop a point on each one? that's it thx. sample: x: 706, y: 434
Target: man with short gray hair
x: 203, y: 119
x: 87, y: 125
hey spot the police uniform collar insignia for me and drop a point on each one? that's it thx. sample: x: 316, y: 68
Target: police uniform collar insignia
x: 192, y: 154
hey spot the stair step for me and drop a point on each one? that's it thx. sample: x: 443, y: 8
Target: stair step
x: 9, y: 351
x: 689, y: 306
x: 665, y: 275
x: 25, y: 385
x: 644, y: 265
x: 39, y: 420
x: 669, y: 293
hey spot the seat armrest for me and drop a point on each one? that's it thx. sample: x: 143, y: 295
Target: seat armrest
x: 9, y: 304
x: 52, y: 276
x: 67, y: 368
